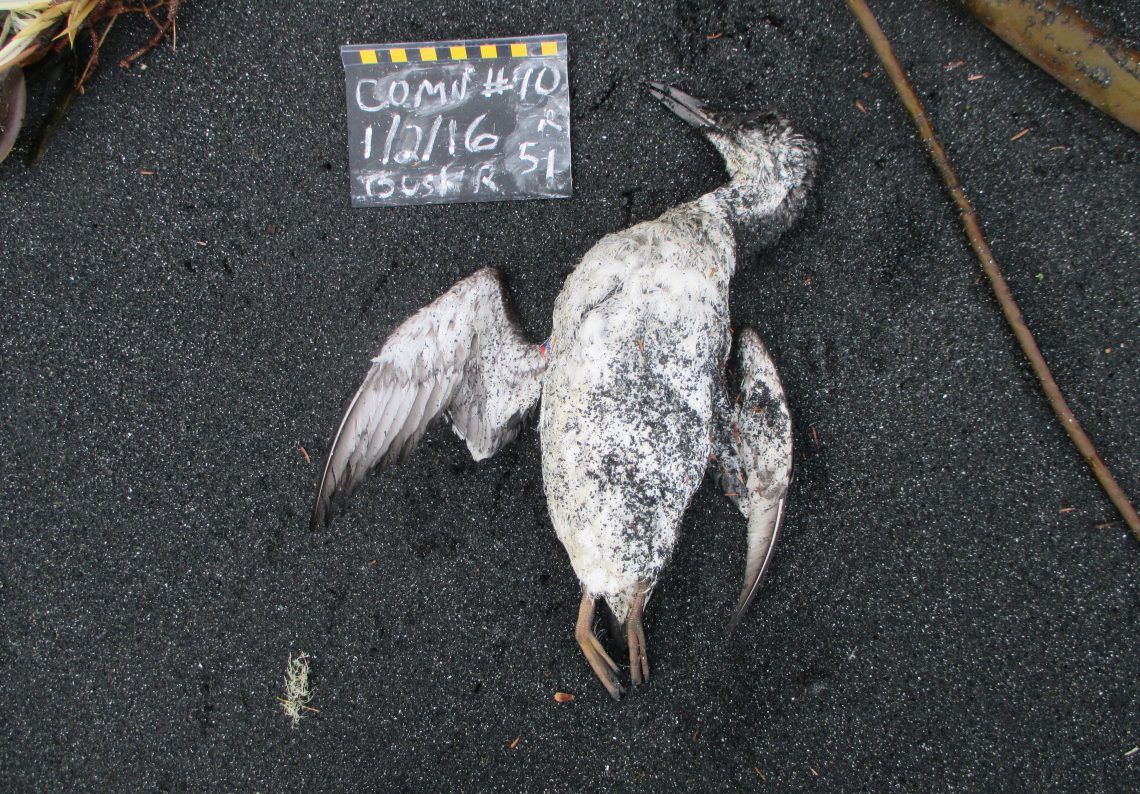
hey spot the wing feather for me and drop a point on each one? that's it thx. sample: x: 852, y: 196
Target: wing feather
x: 414, y: 424
x: 755, y: 450
x: 463, y: 355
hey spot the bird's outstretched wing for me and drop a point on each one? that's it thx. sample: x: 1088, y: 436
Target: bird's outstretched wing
x: 463, y: 356
x: 754, y: 447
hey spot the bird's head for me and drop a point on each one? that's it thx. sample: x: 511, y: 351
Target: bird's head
x: 771, y: 166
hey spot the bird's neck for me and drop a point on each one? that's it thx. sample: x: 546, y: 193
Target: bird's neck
x: 719, y: 225
x: 759, y: 209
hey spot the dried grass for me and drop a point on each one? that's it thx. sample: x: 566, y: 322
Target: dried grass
x: 298, y: 692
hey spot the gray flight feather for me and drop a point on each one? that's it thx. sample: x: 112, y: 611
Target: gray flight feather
x: 463, y: 356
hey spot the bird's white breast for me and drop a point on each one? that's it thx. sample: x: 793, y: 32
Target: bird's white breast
x: 638, y: 346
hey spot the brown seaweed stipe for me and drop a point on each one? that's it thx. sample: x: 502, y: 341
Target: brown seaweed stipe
x: 990, y: 266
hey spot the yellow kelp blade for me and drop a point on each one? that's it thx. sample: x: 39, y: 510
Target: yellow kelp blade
x: 1101, y: 68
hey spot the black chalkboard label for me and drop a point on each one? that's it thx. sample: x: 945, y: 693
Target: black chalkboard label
x: 453, y: 121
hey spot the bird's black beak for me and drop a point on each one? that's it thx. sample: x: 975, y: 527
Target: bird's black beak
x: 691, y: 109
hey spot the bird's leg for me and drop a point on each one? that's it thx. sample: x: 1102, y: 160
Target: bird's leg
x: 601, y: 663
x: 635, y: 634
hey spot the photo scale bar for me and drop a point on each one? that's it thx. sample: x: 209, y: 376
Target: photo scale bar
x: 537, y: 47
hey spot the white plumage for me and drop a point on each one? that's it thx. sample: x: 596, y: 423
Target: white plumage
x: 632, y: 383
x: 639, y: 341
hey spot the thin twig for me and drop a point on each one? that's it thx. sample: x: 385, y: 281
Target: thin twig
x: 997, y: 281
x: 93, y: 58
x: 163, y: 28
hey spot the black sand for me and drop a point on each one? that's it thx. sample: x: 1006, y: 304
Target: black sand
x: 945, y: 610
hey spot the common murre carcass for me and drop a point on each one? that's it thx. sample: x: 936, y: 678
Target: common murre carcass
x: 632, y: 385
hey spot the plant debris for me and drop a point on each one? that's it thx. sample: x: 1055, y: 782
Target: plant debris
x: 1018, y: 136
x: 298, y: 693
x: 32, y: 30
x: 1101, y: 68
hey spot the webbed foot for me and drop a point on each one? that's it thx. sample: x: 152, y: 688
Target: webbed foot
x: 600, y: 662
